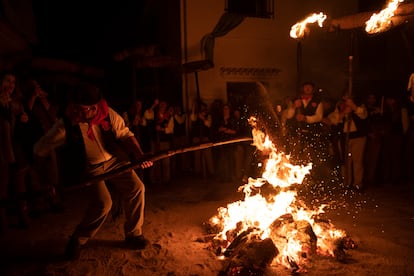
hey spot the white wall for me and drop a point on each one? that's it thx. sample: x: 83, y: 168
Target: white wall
x: 265, y: 43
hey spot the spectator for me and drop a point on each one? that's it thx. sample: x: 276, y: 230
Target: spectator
x: 394, y: 128
x: 14, y: 165
x: 374, y: 139
x: 42, y: 115
x: 161, y: 140
x: 304, y: 116
x: 408, y: 155
x: 180, y: 163
x: 351, y: 119
x: 226, y: 129
x: 135, y: 121
x: 200, y: 132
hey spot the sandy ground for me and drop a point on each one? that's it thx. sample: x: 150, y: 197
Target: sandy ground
x: 380, y: 221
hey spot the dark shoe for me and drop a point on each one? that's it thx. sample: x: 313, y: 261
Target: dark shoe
x: 73, y: 248
x: 136, y: 242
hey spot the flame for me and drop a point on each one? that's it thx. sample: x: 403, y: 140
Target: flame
x: 260, y: 212
x: 298, y: 30
x: 381, y: 21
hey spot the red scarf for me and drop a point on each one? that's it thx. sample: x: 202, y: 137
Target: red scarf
x: 306, y: 97
x: 74, y: 113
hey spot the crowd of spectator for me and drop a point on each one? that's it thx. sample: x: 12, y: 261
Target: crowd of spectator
x: 367, y: 138
x: 369, y: 141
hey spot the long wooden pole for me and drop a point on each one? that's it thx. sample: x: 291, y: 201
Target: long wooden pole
x: 299, y: 64
x: 153, y: 158
x: 348, y: 169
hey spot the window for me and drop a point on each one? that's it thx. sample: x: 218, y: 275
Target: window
x: 251, y: 8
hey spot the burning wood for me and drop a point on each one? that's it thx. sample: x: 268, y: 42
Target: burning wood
x: 342, y: 245
x: 248, y: 254
x: 285, y: 228
x: 274, y: 229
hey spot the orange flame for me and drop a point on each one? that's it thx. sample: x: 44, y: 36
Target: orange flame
x: 259, y: 212
x: 382, y: 21
x: 298, y: 30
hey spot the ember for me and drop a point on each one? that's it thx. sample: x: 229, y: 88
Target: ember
x: 274, y: 227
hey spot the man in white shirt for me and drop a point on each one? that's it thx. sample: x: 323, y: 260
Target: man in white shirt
x: 91, y: 129
x: 303, y: 118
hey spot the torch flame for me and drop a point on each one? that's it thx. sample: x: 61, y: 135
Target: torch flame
x: 381, y: 21
x: 298, y: 30
x: 261, y: 212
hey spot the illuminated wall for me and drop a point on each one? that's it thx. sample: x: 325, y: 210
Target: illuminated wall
x: 262, y: 50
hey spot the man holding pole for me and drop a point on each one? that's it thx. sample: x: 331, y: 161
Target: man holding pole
x: 350, y: 118
x: 94, y: 134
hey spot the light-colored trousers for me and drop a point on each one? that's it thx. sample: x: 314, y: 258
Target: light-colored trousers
x: 353, y: 170
x: 132, y: 192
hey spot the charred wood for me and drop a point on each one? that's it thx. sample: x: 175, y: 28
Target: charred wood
x: 342, y: 245
x: 250, y: 256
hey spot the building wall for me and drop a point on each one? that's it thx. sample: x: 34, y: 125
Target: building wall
x: 264, y: 45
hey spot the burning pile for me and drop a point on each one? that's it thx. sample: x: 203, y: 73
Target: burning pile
x: 270, y: 226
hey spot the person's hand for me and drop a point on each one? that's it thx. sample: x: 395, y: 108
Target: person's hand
x: 146, y: 164
x: 350, y: 103
x: 377, y: 110
x: 222, y: 129
x: 297, y: 103
x: 136, y: 121
x: 42, y: 93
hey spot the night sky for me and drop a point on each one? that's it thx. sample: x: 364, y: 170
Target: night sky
x: 89, y: 31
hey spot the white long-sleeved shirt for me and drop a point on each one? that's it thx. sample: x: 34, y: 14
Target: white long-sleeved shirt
x: 336, y: 117
x: 207, y: 122
x: 95, y: 152
x: 317, y: 117
x: 149, y: 114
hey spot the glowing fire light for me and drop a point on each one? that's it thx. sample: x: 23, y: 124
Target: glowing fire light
x: 298, y: 30
x: 260, y: 212
x: 381, y: 21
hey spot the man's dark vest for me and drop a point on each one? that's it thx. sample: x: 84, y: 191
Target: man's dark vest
x: 179, y: 129
x: 73, y: 155
x: 360, y: 124
x: 199, y: 129
x: 309, y: 110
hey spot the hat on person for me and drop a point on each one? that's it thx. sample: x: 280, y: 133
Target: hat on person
x: 88, y: 94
